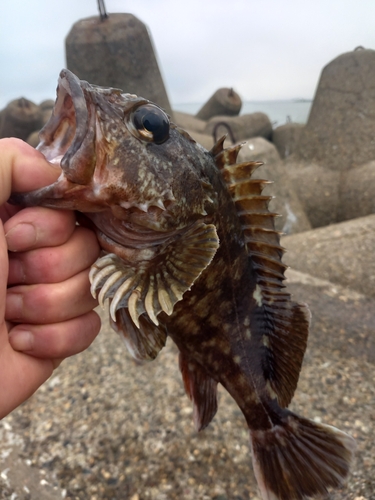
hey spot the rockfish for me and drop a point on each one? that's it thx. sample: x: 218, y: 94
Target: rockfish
x: 191, y: 252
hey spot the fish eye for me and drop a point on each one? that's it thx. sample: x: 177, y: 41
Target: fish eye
x: 150, y: 123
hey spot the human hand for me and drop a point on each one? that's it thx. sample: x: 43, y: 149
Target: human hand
x: 46, y: 311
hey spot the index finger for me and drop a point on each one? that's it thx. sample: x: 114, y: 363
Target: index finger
x: 37, y: 227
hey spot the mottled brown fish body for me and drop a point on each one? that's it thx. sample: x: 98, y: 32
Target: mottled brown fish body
x: 191, y: 252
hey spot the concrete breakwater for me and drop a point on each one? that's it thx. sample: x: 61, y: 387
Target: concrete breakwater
x: 323, y: 171
x: 104, y: 427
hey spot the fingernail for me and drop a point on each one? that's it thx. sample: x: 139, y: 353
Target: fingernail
x: 21, y: 237
x: 21, y: 340
x: 14, y: 306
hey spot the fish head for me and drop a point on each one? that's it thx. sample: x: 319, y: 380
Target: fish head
x: 120, y: 154
x: 147, y: 188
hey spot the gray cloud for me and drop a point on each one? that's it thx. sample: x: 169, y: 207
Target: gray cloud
x: 266, y: 50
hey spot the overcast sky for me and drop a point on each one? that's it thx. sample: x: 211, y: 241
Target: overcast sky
x: 265, y: 49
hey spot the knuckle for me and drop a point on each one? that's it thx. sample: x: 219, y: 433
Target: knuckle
x: 41, y: 303
x: 43, y: 265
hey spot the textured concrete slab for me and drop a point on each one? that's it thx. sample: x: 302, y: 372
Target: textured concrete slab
x: 342, y: 253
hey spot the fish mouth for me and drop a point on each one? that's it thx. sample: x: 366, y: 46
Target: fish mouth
x: 68, y: 137
x: 68, y: 142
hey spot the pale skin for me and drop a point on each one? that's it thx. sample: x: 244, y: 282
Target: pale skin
x: 46, y: 309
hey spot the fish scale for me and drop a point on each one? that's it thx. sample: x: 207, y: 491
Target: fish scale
x: 190, y: 251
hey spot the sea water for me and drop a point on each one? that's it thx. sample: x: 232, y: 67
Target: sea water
x: 279, y: 112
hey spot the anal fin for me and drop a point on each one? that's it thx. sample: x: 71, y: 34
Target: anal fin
x: 201, y: 389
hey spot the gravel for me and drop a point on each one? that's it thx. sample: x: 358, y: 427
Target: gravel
x: 104, y: 427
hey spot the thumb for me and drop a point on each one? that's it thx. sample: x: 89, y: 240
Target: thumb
x: 4, y: 266
x: 22, y: 168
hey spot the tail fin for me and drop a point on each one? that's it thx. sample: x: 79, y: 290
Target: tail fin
x: 299, y: 459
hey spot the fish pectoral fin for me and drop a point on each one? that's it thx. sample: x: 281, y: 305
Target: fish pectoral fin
x: 201, y: 389
x: 143, y: 343
x: 138, y: 294
x: 155, y: 286
x: 187, y: 257
x: 179, y: 264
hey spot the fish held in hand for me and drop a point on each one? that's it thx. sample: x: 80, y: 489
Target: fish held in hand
x: 191, y: 252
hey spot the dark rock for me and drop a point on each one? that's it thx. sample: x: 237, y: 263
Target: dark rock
x: 188, y: 121
x: 285, y: 202
x: 342, y: 253
x: 318, y: 189
x: 358, y: 192
x: 116, y: 52
x: 224, y: 102
x: 285, y: 137
x: 340, y: 132
x: 242, y: 127
x: 47, y: 104
x: 329, y: 196
x: 20, y: 118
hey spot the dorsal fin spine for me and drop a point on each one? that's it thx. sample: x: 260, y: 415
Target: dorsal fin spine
x: 218, y: 146
x: 225, y: 157
x: 238, y: 171
x: 281, y: 315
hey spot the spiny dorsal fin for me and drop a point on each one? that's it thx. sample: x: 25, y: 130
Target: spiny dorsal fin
x: 240, y: 171
x: 225, y: 157
x: 219, y: 146
x: 286, y: 323
x: 258, y: 223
